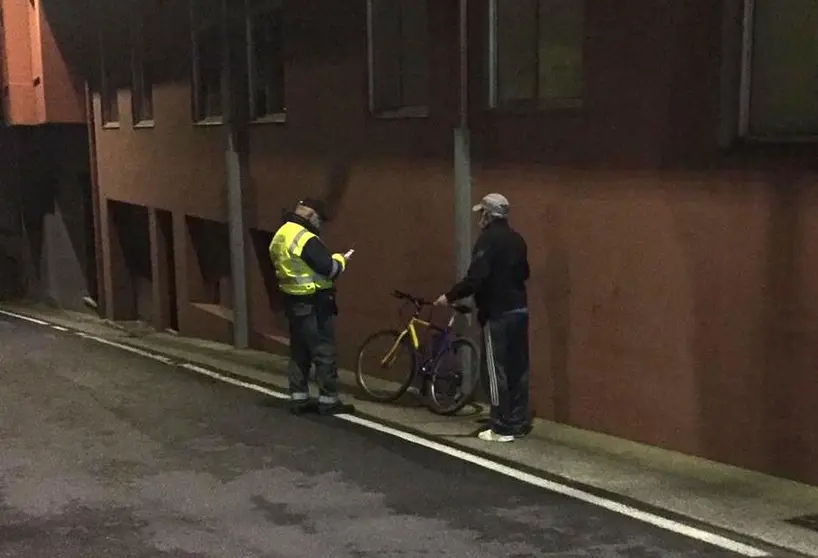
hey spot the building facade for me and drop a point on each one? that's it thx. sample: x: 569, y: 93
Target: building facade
x: 46, y: 202
x: 659, y: 158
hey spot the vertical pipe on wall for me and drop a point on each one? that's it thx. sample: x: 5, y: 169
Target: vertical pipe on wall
x: 745, y: 82
x: 462, y: 156
x: 98, y: 298
x: 462, y: 171
x: 492, y: 54
x: 235, y: 128
x: 730, y: 72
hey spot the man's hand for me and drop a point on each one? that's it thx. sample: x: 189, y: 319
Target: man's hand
x: 442, y: 301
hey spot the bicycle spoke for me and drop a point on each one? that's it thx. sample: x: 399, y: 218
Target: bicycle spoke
x: 385, y: 366
x: 454, y: 377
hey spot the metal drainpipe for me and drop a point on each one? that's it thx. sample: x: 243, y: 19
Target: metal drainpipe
x: 462, y: 163
x: 100, y: 300
x: 462, y: 174
x: 462, y: 157
x: 235, y: 128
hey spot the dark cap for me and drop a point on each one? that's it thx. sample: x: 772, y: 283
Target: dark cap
x: 319, y: 206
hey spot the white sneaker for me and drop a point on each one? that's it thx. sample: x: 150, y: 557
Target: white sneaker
x: 492, y: 436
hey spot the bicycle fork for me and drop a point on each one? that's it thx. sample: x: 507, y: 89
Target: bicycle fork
x: 434, y: 348
x: 430, y: 355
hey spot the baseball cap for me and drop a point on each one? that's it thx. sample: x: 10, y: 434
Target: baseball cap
x: 319, y: 206
x: 493, y: 204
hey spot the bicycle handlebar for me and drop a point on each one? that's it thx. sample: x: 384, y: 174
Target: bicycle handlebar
x: 413, y: 299
x: 421, y: 302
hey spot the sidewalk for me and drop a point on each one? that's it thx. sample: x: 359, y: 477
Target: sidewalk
x: 729, y: 499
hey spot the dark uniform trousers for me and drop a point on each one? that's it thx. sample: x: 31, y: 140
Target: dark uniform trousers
x: 312, y: 341
x: 506, y: 368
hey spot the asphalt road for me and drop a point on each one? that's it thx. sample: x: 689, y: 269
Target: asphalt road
x: 108, y: 454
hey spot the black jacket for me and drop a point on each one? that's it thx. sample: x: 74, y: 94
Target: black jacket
x: 315, y: 254
x: 497, y: 273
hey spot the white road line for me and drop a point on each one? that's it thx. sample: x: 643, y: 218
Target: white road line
x: 631, y: 512
x: 140, y: 352
x: 58, y: 328
x: 522, y: 476
x: 25, y: 318
x: 228, y: 380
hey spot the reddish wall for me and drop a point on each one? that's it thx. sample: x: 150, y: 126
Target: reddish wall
x: 63, y: 86
x: 672, y: 283
x: 20, y: 99
x: 676, y: 308
x: 42, y: 86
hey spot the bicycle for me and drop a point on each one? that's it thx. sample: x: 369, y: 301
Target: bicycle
x: 437, y: 363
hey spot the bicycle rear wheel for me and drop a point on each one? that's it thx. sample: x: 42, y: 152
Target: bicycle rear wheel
x: 386, y: 366
x: 454, y: 377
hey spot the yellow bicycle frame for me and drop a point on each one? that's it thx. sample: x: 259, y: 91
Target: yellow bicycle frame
x: 411, y: 331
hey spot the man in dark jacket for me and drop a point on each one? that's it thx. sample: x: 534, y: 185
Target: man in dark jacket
x: 496, y: 278
x: 306, y: 272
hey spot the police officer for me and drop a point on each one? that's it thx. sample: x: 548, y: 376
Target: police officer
x: 496, y: 278
x: 306, y: 272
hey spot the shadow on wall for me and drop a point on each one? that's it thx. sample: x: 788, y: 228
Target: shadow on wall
x: 130, y: 232
x: 46, y: 223
x: 557, y: 292
x: 338, y: 178
x: 12, y: 280
x: 785, y: 362
x: 211, y: 243
x: 261, y: 248
x: 166, y: 250
x: 274, y: 322
x: 753, y: 345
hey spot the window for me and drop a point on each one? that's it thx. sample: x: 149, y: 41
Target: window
x: 108, y: 95
x: 141, y: 85
x: 207, y: 61
x: 779, y: 94
x: 398, y: 57
x: 265, y: 50
x: 537, y: 52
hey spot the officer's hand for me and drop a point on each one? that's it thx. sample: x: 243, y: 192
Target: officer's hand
x: 442, y: 301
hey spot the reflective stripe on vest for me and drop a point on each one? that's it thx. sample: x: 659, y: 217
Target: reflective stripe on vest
x: 294, y: 244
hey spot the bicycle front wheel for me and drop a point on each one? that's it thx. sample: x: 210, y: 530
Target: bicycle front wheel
x: 455, y: 376
x: 386, y: 366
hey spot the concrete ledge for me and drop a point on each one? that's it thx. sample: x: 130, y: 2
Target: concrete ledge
x: 730, y: 499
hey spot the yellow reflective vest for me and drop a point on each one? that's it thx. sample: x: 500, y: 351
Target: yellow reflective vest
x: 294, y: 276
